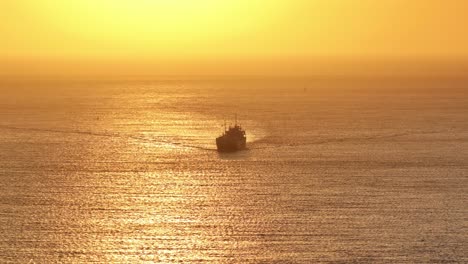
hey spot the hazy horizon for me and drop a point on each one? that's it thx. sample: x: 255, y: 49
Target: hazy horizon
x: 325, y: 67
x: 232, y: 37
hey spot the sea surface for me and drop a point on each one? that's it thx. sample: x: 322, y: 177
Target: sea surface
x: 338, y: 170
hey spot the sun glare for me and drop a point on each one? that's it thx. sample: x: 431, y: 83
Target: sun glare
x: 236, y: 34
x: 146, y: 26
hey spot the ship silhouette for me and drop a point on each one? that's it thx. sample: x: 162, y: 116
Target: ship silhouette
x: 233, y: 139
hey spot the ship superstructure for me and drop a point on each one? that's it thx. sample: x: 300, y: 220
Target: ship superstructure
x: 233, y: 139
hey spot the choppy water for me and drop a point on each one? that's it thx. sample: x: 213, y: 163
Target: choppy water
x: 336, y: 171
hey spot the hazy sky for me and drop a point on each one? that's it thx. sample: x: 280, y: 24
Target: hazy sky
x: 229, y: 36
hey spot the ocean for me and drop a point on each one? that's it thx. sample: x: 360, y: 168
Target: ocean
x: 338, y: 170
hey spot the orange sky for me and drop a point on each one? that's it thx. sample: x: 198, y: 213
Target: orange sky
x: 230, y: 36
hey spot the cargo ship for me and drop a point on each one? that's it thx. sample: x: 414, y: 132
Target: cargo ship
x: 233, y: 139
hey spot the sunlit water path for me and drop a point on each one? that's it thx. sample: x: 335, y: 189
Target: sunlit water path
x: 338, y: 172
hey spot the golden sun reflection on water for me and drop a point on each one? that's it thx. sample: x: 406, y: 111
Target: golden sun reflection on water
x: 132, y: 175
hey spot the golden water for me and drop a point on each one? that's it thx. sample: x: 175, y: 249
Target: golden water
x: 336, y: 171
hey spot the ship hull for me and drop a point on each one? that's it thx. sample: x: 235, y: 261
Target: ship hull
x: 225, y: 144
